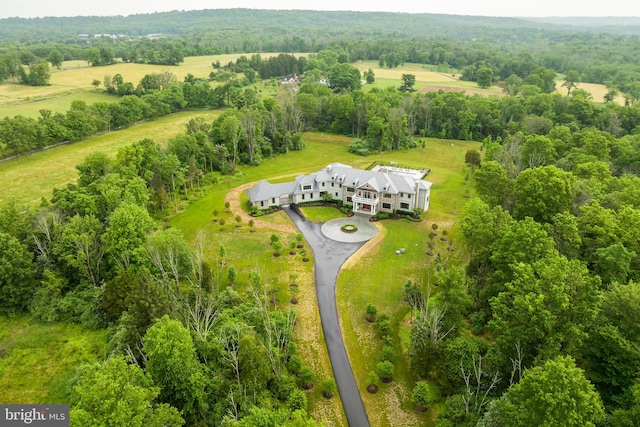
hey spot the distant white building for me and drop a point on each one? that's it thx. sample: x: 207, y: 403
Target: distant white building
x: 383, y: 189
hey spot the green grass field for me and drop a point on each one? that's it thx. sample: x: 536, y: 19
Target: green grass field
x: 34, y: 176
x: 61, y: 103
x: 37, y: 361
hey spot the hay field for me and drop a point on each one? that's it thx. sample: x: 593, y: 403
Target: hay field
x: 598, y: 91
x: 427, y: 79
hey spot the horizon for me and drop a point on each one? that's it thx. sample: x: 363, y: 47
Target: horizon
x: 29, y: 9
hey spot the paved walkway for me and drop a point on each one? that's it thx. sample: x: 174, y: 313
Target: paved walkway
x: 329, y: 256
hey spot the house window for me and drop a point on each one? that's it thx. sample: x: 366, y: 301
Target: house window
x: 367, y: 195
x: 332, y: 184
x: 340, y: 185
x: 404, y: 206
x: 322, y: 193
x: 323, y: 184
x: 336, y: 194
x: 273, y: 200
x: 306, y: 187
x: 350, y: 189
x: 303, y: 197
x: 386, y: 206
x: 349, y: 199
x: 387, y: 195
x: 262, y: 204
x: 401, y: 194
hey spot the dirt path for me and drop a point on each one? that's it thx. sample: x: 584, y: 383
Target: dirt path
x: 233, y: 197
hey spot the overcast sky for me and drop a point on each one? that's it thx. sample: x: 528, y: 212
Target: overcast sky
x: 37, y: 8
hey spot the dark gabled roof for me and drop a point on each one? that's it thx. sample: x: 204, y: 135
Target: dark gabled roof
x: 265, y: 190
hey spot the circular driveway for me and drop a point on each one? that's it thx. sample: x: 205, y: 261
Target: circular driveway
x: 366, y: 230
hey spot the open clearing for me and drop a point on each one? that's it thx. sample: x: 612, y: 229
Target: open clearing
x: 37, y: 361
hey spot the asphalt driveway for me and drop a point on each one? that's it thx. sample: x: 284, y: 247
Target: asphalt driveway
x: 329, y: 255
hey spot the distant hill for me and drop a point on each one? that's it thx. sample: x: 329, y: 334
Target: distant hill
x: 608, y: 24
x: 308, y: 23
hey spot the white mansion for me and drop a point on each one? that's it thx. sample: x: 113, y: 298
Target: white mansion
x: 383, y: 189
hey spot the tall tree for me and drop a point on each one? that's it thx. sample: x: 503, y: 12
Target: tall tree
x: 173, y: 365
x: 554, y: 394
x: 114, y: 393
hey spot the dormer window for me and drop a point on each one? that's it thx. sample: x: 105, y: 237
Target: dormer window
x: 306, y: 187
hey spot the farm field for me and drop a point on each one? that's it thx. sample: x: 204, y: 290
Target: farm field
x: 34, y: 176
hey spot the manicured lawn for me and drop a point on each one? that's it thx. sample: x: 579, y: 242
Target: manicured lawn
x: 321, y: 213
x: 37, y: 361
x: 32, y: 177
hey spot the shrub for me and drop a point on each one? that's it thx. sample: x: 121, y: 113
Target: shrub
x: 382, y: 215
x: 306, y: 377
x: 372, y: 311
x: 328, y: 388
x: 388, y: 353
x: 384, y: 325
x: 297, y: 400
x: 372, y: 382
x: 359, y: 147
x: 423, y: 394
x: 385, y: 371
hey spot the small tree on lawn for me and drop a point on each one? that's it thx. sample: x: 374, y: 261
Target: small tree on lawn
x: 292, y: 280
x: 274, y: 238
x: 306, y: 377
x: 294, y: 294
x: 385, y: 371
x: 303, y: 253
x: 277, y: 247
x: 472, y: 158
x: 294, y: 364
x: 299, y: 239
x: 328, y: 388
x: 292, y: 247
x: 388, y: 353
x: 251, y: 223
x: 371, y: 313
x: 227, y: 205
x: 423, y: 396
x: 232, y: 274
x: 238, y: 220
x: 222, y: 222
x: 373, y: 381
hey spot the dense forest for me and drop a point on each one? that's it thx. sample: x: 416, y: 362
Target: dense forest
x: 539, y: 326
